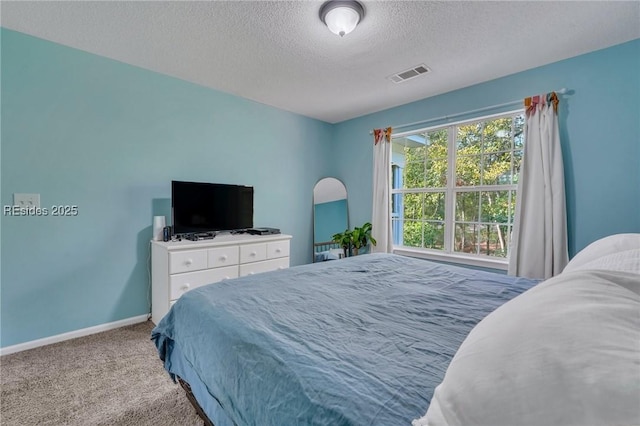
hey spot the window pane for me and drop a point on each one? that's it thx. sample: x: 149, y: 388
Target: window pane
x: 413, y: 175
x: 433, y: 233
x: 434, y: 206
x: 467, y: 206
x: 494, y: 207
x: 494, y: 240
x: 396, y: 205
x: 518, y: 130
x: 412, y: 233
x: 436, y: 168
x: 517, y: 163
x: 409, y: 153
x: 396, y: 176
x: 396, y: 229
x: 468, y: 170
x: 466, y: 238
x: 497, y: 135
x: 436, y: 173
x: 413, y: 151
x: 469, y: 139
x: 412, y: 206
x: 497, y: 168
x: 437, y: 144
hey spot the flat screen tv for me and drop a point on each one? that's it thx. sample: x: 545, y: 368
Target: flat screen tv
x: 208, y: 207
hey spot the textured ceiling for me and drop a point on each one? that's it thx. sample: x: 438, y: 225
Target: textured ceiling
x: 279, y: 53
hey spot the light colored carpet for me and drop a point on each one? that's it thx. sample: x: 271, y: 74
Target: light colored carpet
x: 109, y: 378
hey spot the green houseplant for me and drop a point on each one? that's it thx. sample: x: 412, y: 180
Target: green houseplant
x: 344, y: 240
x: 361, y: 237
x: 352, y: 241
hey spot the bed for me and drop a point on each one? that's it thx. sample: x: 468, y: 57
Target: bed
x: 327, y: 250
x: 383, y: 339
x: 359, y: 341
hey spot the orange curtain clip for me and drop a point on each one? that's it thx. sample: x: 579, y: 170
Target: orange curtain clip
x: 387, y: 134
x: 378, y: 134
x: 555, y: 101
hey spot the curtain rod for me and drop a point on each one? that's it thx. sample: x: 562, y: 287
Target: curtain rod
x: 460, y: 114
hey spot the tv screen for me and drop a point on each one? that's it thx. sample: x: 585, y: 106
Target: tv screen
x: 206, y: 207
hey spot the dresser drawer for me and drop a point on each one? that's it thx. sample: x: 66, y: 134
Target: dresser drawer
x: 185, y: 261
x: 264, y: 266
x: 181, y: 283
x: 223, y: 256
x: 277, y: 249
x: 253, y: 252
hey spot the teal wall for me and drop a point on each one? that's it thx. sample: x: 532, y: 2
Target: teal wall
x: 84, y: 130
x: 599, y: 128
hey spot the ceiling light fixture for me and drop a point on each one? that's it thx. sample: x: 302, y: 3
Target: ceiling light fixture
x: 341, y: 16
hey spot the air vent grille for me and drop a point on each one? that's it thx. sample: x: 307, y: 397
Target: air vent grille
x: 409, y: 74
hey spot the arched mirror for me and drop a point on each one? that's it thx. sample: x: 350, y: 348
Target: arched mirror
x: 329, y: 217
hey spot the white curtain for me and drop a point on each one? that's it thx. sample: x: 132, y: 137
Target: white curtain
x: 539, y: 239
x: 381, y: 214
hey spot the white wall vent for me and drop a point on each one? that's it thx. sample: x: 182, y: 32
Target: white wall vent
x: 409, y: 74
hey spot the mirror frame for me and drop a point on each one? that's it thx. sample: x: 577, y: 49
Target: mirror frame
x: 328, y: 189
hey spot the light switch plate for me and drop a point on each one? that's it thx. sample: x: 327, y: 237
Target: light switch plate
x: 26, y: 200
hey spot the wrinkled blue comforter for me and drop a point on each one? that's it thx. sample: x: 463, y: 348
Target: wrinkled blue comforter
x: 359, y: 341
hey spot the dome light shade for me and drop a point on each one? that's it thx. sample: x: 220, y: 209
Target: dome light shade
x: 341, y: 16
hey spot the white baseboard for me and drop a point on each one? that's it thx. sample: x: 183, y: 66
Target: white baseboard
x: 72, y: 335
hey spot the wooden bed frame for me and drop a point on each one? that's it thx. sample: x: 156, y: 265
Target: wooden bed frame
x: 194, y: 402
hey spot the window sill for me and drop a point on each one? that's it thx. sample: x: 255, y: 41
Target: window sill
x: 457, y: 258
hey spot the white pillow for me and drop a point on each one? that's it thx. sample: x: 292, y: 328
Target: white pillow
x: 603, y: 247
x: 628, y: 261
x: 566, y: 352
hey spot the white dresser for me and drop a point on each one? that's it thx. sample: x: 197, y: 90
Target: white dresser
x: 177, y: 267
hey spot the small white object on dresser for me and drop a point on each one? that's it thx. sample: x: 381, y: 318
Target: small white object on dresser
x: 180, y: 266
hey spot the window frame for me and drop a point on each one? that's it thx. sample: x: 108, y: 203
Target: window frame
x: 450, y: 190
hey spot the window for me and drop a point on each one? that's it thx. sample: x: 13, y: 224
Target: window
x: 454, y: 187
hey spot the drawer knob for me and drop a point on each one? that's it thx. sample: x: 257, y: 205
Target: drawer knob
x: 278, y: 250
x: 223, y: 257
x: 185, y: 287
x: 253, y: 253
x: 251, y: 273
x: 227, y: 277
x: 188, y: 262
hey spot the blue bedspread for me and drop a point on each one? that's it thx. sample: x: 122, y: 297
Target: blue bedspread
x: 359, y: 341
